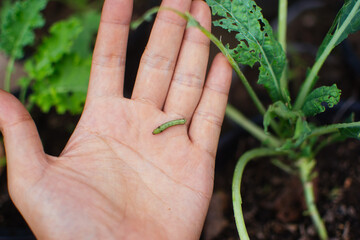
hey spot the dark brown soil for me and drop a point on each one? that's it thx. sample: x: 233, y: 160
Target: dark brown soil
x: 272, y: 200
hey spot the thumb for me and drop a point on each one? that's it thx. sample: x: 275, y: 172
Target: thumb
x: 24, y: 152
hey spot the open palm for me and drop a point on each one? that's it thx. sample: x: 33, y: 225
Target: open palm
x: 115, y: 179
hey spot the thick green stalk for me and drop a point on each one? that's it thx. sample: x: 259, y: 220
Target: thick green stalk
x: 282, y: 27
x: 306, y: 179
x: 251, y: 127
x: 333, y: 128
x: 311, y: 78
x: 236, y: 185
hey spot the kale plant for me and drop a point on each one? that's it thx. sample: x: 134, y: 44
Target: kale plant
x: 287, y: 135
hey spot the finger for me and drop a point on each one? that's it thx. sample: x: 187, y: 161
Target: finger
x: 208, y: 117
x: 159, y: 59
x: 108, y: 64
x: 24, y: 152
x: 188, y: 80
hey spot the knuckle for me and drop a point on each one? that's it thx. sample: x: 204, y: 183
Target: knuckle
x: 217, y: 88
x: 171, y: 18
x: 191, y: 80
x: 210, y: 117
x: 110, y: 60
x: 19, y: 120
x: 157, y: 61
x: 117, y: 22
x: 200, y: 41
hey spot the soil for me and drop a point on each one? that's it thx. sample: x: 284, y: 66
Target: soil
x: 273, y: 204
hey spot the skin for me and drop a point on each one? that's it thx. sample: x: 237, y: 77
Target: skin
x: 115, y: 179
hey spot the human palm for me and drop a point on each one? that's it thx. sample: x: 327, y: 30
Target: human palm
x: 115, y: 179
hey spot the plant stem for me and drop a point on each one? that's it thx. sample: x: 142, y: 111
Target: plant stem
x: 17, y: 44
x: 236, y: 185
x: 333, y: 128
x: 9, y: 70
x: 282, y: 27
x: 306, y: 179
x: 253, y: 129
x: 146, y: 17
x: 283, y: 6
x: 311, y: 78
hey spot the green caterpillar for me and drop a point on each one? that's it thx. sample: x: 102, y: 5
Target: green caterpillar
x: 166, y: 125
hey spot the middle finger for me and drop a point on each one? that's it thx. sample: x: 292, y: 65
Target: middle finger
x: 159, y: 58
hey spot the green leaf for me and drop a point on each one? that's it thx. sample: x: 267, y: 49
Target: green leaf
x: 59, y: 72
x: 256, y: 41
x: 78, y: 4
x: 84, y: 43
x: 4, y: 9
x: 280, y: 110
x: 53, y: 48
x: 18, y: 24
x: 66, y: 88
x: 350, y: 132
x: 314, y: 103
x: 344, y: 24
x: 302, y: 130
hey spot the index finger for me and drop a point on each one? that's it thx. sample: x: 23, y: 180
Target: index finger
x: 108, y: 64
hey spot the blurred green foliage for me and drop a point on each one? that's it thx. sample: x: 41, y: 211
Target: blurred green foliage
x: 58, y: 67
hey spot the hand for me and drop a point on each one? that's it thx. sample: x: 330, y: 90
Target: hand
x: 115, y: 179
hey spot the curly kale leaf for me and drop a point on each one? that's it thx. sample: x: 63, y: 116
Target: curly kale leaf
x: 62, y: 37
x: 84, y: 43
x: 314, y: 103
x: 18, y: 24
x: 66, y: 88
x: 256, y: 41
x: 57, y: 72
x: 5, y: 7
